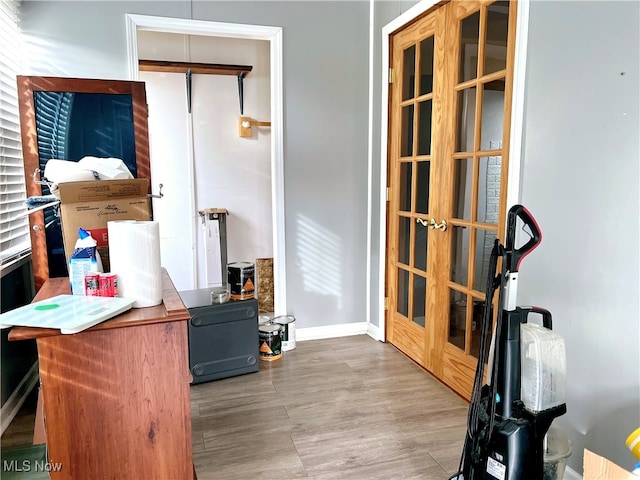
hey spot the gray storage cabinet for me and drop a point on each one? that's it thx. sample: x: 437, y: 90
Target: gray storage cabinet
x: 223, y: 338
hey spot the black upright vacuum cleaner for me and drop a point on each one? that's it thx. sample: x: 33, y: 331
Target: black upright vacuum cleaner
x: 505, y: 439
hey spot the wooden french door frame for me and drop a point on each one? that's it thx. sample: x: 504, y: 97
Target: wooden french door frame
x: 515, y: 130
x: 379, y: 191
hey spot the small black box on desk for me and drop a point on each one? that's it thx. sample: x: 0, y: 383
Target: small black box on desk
x: 223, y: 338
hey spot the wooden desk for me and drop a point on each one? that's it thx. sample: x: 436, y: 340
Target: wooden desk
x: 116, y: 396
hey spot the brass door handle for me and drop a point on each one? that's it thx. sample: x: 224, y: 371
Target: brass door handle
x: 432, y: 224
x: 438, y: 226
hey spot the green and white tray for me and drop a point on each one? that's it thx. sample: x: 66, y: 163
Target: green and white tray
x: 68, y: 313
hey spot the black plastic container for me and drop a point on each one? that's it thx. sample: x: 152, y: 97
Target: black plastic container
x: 223, y: 338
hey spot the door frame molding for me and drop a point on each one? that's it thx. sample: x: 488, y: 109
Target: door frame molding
x: 516, y: 136
x: 273, y: 35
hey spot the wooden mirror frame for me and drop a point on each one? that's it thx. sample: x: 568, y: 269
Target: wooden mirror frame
x: 29, y: 84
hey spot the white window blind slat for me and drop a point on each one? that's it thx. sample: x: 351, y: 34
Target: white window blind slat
x: 14, y: 175
x: 12, y: 117
x: 11, y: 214
x: 12, y: 195
x: 11, y: 128
x: 14, y: 223
x: 9, y: 91
x: 9, y: 82
x: 12, y: 166
x: 11, y: 144
x: 6, y: 234
x: 12, y: 185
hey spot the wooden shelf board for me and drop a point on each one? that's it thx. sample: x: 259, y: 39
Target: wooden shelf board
x: 202, y: 68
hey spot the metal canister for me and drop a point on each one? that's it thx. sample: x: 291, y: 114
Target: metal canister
x: 219, y: 295
x: 270, y: 342
x: 240, y: 277
x: 265, y: 318
x: 288, y: 323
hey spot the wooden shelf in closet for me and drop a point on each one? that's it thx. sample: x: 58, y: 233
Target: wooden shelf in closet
x: 201, y: 68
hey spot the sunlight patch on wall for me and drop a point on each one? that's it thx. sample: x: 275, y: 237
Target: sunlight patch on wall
x: 37, y: 58
x: 319, y: 252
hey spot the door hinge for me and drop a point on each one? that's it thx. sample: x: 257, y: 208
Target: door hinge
x: 388, y: 193
x: 390, y: 75
x: 386, y: 303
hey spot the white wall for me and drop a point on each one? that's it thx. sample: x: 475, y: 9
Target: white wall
x: 325, y: 59
x: 580, y: 180
x: 230, y: 172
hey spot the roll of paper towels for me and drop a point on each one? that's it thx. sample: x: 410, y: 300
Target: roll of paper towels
x: 134, y: 253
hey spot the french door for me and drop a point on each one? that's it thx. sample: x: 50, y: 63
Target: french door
x: 449, y: 120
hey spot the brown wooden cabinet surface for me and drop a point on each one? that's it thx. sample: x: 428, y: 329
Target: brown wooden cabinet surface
x: 116, y: 396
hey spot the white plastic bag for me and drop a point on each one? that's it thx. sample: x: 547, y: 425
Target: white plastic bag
x: 86, y: 169
x: 106, y: 168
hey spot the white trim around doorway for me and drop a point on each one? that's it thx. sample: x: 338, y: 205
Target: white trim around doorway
x: 517, y: 129
x: 249, y: 32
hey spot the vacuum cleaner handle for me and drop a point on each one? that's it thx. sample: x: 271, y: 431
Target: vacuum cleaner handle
x: 546, y: 315
x: 514, y: 256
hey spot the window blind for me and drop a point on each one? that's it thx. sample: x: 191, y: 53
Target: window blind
x: 14, y: 223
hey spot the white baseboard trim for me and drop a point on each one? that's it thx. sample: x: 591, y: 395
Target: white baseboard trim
x: 374, y: 332
x: 570, y: 474
x: 11, y: 407
x: 331, y: 331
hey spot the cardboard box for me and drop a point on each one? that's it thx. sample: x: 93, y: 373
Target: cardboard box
x: 600, y: 468
x: 91, y: 205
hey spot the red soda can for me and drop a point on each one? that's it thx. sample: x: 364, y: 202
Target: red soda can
x: 108, y: 285
x: 92, y: 284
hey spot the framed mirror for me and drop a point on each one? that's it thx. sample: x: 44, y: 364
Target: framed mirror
x: 68, y: 119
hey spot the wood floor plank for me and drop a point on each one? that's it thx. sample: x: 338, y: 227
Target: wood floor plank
x: 265, y: 422
x: 258, y: 456
x: 396, y: 469
x: 371, y: 442
x: 233, y: 387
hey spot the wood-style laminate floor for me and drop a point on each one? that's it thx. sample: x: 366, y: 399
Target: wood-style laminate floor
x: 343, y: 408
x: 347, y: 408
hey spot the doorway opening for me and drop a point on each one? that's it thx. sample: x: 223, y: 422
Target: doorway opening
x: 272, y: 35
